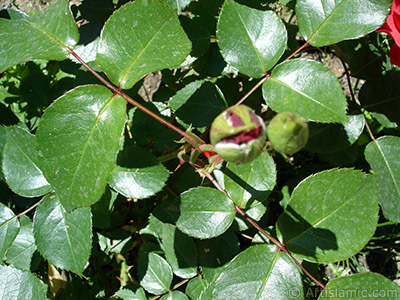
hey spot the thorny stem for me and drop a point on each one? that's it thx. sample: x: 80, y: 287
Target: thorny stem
x: 119, y: 92
x: 271, y: 238
x: 198, y: 147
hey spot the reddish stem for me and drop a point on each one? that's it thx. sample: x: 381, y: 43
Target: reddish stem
x: 189, y: 138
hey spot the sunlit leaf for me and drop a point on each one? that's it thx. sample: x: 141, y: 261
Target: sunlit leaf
x: 20, y: 253
x: 360, y: 287
x: 49, y: 32
x: 259, y: 272
x: 138, y: 174
x: 17, y: 284
x: 155, y: 274
x: 150, y: 39
x: 9, y: 228
x: 20, y: 164
x: 383, y: 156
x: 307, y: 88
x: 325, y: 22
x: 331, y: 215
x: 63, y: 238
x: 205, y: 212
x: 250, y: 40
x: 78, y: 139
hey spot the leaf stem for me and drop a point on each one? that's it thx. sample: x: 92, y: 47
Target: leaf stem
x: 270, y: 237
x: 20, y: 214
x: 119, y: 92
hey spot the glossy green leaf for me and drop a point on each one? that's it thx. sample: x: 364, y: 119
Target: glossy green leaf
x: 16, y: 284
x: 63, y: 238
x: 180, y: 251
x: 250, y: 40
x: 138, y: 174
x: 20, y: 253
x: 150, y: 39
x: 9, y: 228
x: 215, y: 253
x: 131, y: 292
x: 3, y: 135
x: 251, y: 183
x: 205, y: 212
x: 155, y: 274
x: 78, y: 139
x: 326, y: 22
x: 383, y: 96
x: 331, y: 215
x: 20, y: 164
x: 383, y: 156
x: 198, y: 103
x: 174, y: 295
x: 195, y: 287
x: 177, y: 4
x: 49, y: 33
x: 306, y: 88
x: 344, y: 135
x: 259, y: 272
x: 360, y: 287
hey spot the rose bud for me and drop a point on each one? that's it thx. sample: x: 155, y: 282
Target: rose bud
x: 287, y: 132
x: 238, y: 134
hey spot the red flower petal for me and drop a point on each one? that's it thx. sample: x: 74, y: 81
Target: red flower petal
x: 392, y: 28
x: 394, y: 54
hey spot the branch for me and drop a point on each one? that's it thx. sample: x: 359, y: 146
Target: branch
x: 194, y: 141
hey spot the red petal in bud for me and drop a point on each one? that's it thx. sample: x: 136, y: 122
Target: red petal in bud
x: 234, y: 120
x: 243, y: 137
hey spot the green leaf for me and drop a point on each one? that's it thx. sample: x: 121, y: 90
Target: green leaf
x: 259, y: 272
x: 331, y: 215
x: 49, y: 33
x: 9, y: 228
x: 198, y: 103
x: 383, y: 156
x: 16, y: 284
x: 177, y: 4
x: 250, y: 184
x: 131, y: 292
x: 306, y: 88
x: 78, y: 139
x: 155, y: 274
x: 20, y: 164
x: 344, y: 135
x: 150, y: 39
x: 195, y: 287
x: 250, y: 40
x: 20, y: 253
x: 360, y: 287
x: 325, y: 22
x: 138, y: 174
x: 174, y: 295
x: 205, y: 212
x: 180, y: 251
x: 3, y: 138
x: 63, y: 238
x: 383, y: 96
x: 215, y: 253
